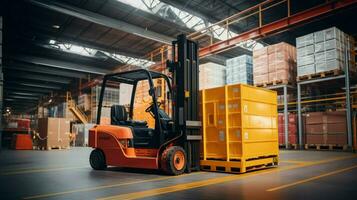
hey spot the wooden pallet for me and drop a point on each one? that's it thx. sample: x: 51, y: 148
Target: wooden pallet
x: 329, y: 147
x: 239, y: 166
x: 334, y: 72
x: 271, y: 83
x: 290, y: 146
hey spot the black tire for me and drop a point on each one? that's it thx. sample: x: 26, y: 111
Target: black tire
x: 170, y: 162
x: 97, y: 160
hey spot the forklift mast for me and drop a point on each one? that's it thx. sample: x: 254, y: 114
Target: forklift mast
x: 184, y: 67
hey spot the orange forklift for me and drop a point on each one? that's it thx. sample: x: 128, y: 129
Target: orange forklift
x: 173, y: 145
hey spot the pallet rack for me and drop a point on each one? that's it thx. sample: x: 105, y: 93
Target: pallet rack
x: 346, y: 77
x: 284, y: 88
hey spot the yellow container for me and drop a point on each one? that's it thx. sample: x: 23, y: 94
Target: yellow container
x: 240, y: 129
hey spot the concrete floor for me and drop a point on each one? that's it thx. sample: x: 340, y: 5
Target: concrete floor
x: 66, y: 174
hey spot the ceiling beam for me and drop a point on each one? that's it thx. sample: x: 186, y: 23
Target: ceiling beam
x: 45, y: 35
x: 27, y: 67
x: 29, y: 76
x: 102, y: 20
x: 15, y: 101
x: 22, y: 93
x: 33, y: 84
x: 22, y: 97
x: 26, y: 89
x: 59, y: 64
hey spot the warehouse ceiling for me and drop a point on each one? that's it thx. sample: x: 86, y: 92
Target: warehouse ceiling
x: 49, y: 45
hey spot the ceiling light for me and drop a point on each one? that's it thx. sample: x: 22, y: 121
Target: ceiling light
x: 56, y: 26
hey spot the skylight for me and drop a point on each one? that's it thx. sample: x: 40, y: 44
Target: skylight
x: 130, y: 60
x: 84, y: 51
x: 189, y: 20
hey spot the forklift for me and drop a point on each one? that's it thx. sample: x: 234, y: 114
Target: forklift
x: 173, y: 144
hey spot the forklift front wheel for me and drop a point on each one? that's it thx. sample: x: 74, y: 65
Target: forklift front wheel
x: 173, y: 160
x: 97, y: 160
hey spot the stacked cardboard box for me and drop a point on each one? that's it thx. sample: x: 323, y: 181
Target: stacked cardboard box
x: 292, y: 128
x: 125, y: 94
x: 84, y: 102
x: 211, y: 75
x: 326, y: 128
x: 54, y: 132
x: 323, y: 51
x: 105, y: 113
x: 289, y: 97
x: 274, y: 63
x: 81, y: 131
x: 64, y: 112
x: 42, y: 112
x: 61, y: 111
x: 111, y: 96
x: 239, y: 70
x: 18, y: 124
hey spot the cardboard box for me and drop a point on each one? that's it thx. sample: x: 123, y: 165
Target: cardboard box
x: 54, y: 132
x: 304, y: 51
x: 316, y: 139
x: 305, y: 40
x: 337, y: 139
x: 277, y: 62
x: 292, y: 128
x: 306, y: 70
x: 330, y: 46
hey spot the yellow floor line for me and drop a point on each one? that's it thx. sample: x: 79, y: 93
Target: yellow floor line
x: 28, y: 171
x: 187, y: 186
x: 311, y: 179
x: 295, y: 162
x: 108, y: 186
x: 192, y: 185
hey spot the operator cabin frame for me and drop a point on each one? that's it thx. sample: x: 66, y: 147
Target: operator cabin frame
x: 134, y: 154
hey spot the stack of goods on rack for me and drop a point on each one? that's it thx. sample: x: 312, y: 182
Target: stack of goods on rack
x: 125, y: 94
x: 42, y: 112
x: 52, y: 111
x: 20, y: 125
x: 325, y: 128
x: 81, y: 132
x: 239, y: 70
x: 61, y: 111
x: 289, y: 98
x: 84, y: 102
x: 211, y: 75
x: 64, y: 112
x: 292, y: 129
x: 111, y: 97
x: 324, y: 51
x: 144, y: 100
x: 274, y: 64
x: 53, y: 133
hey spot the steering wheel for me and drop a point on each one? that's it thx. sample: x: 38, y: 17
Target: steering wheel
x: 149, y: 109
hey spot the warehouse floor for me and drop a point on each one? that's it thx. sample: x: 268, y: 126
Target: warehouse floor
x: 66, y: 174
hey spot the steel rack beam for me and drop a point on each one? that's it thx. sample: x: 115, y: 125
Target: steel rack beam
x: 278, y: 26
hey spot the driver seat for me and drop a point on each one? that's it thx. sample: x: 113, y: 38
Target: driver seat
x: 119, y: 116
x: 144, y: 137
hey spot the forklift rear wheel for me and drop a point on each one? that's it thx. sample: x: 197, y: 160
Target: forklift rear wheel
x: 173, y: 160
x: 97, y: 160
